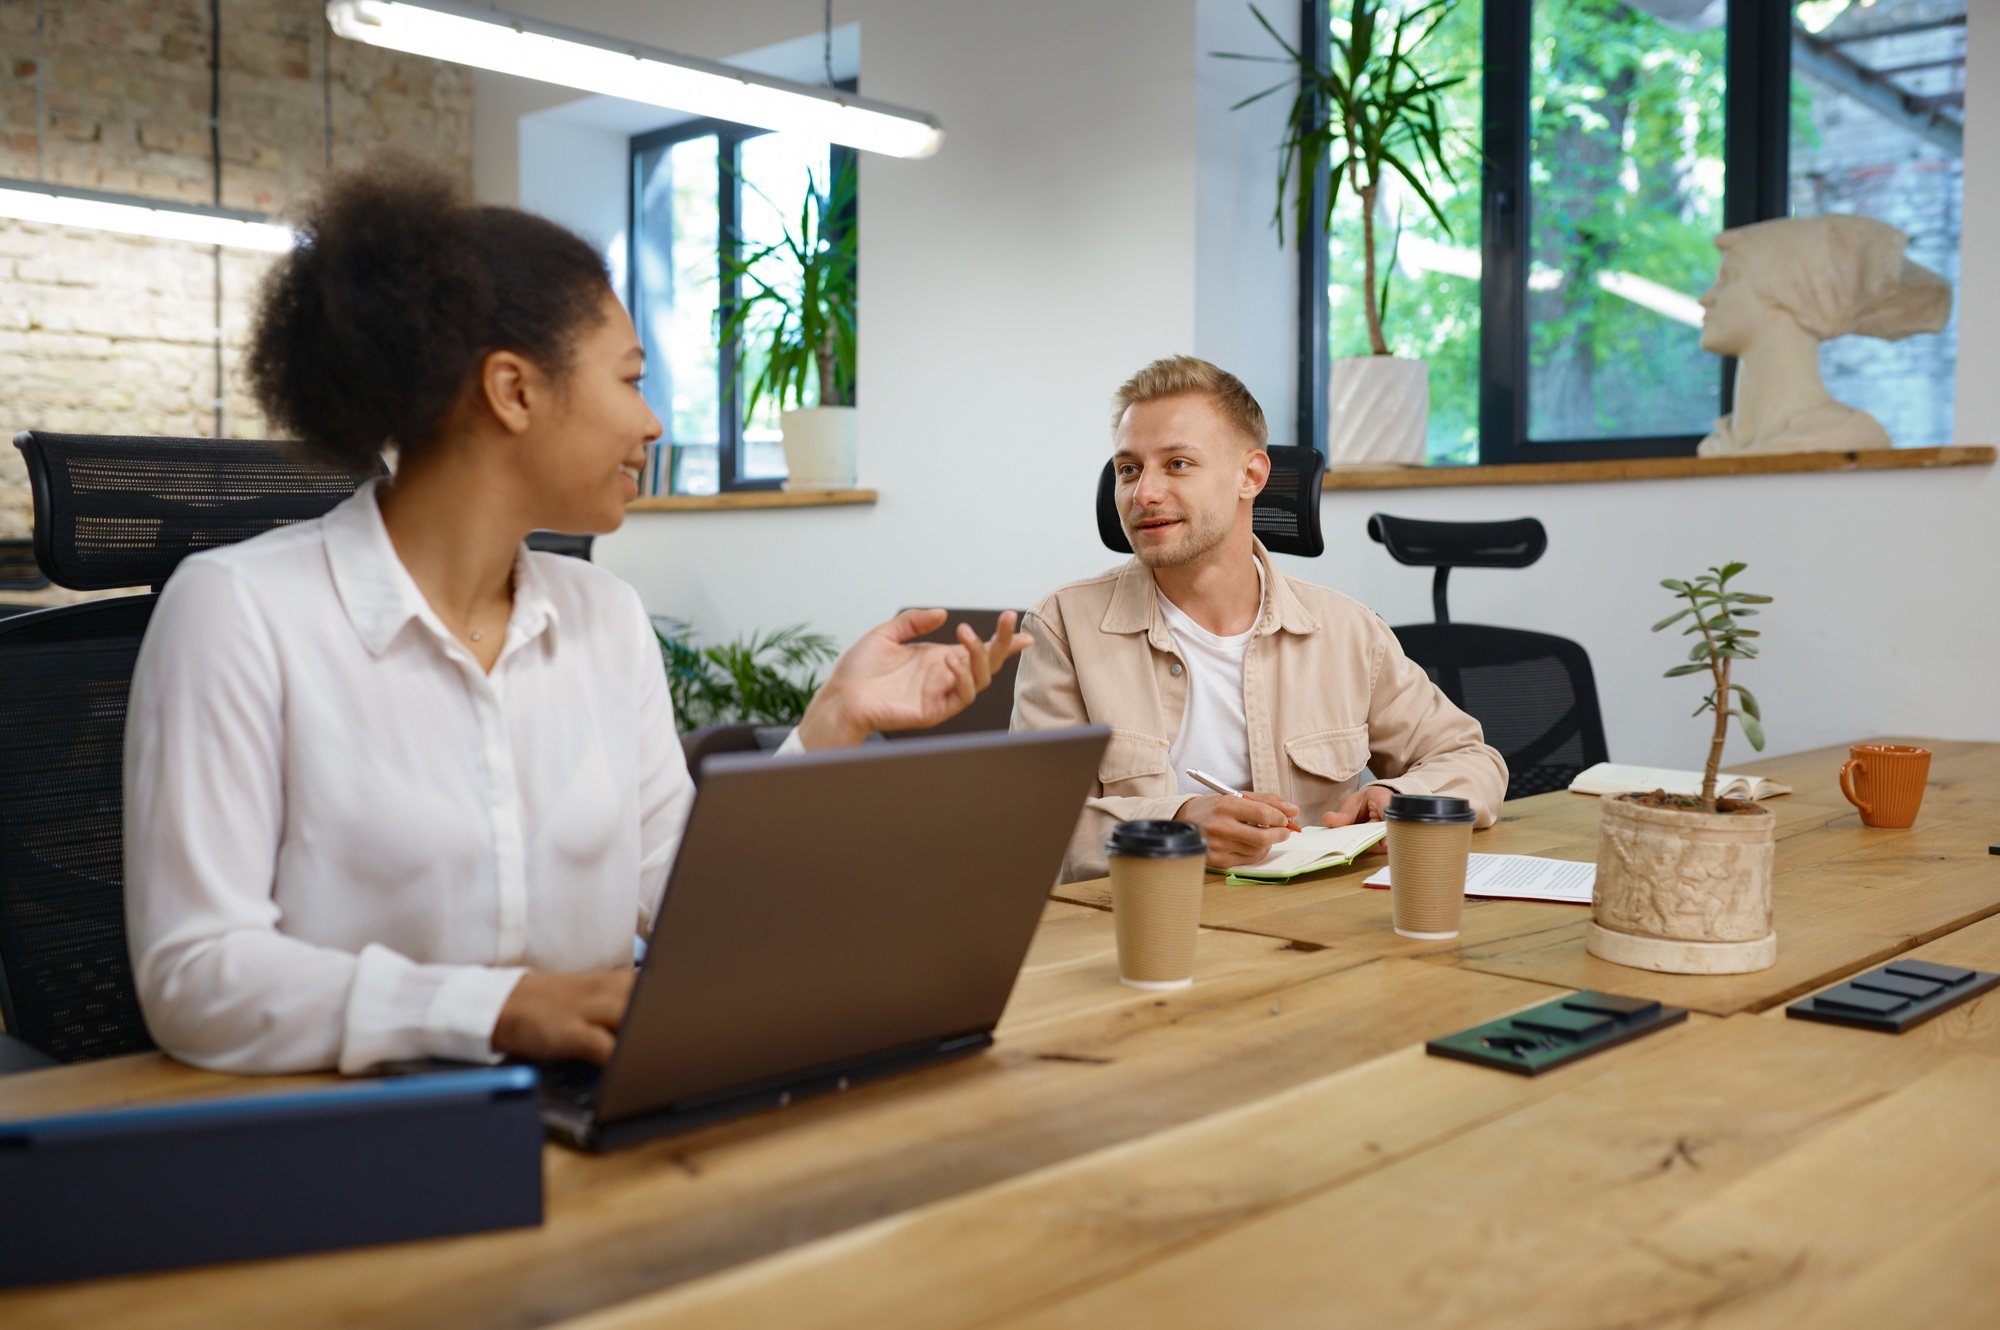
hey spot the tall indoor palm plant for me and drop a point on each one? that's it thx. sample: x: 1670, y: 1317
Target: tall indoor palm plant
x: 793, y: 311
x: 1372, y: 111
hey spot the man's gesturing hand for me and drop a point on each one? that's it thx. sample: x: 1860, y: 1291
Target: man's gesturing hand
x: 887, y: 682
x: 552, y: 1016
x: 1239, y: 831
x: 1364, y: 805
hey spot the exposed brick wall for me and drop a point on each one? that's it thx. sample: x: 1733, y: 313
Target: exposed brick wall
x: 109, y: 334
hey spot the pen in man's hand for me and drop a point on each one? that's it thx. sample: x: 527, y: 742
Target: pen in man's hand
x: 1220, y: 788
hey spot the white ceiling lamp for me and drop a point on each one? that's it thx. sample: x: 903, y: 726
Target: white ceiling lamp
x: 28, y: 201
x: 551, y: 53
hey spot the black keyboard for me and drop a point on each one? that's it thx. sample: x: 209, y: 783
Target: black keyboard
x: 571, y: 1082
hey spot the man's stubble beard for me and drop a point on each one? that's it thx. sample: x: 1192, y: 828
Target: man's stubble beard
x: 1202, y: 540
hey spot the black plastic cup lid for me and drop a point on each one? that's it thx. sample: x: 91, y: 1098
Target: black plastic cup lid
x: 1426, y: 808
x: 1157, y: 840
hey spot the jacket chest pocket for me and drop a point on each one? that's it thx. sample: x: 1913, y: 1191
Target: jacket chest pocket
x: 1134, y: 764
x: 1325, y: 764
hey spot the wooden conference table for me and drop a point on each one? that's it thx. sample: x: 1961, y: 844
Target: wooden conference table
x: 1271, y: 1147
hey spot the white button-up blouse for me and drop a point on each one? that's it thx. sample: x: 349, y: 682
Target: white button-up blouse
x: 344, y: 841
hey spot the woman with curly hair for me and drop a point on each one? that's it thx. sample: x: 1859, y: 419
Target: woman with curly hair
x: 397, y: 787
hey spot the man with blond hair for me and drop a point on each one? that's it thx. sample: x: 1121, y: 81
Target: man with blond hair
x: 1199, y: 654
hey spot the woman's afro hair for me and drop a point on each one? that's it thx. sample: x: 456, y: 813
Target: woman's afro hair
x: 370, y: 329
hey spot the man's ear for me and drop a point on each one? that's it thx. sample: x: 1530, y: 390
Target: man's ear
x: 509, y: 384
x: 1256, y: 473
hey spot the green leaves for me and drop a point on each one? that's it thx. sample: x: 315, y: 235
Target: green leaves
x: 1715, y: 610
x: 792, y: 302
x: 1372, y: 109
x: 767, y: 678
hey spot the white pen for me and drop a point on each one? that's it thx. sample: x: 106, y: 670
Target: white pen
x: 1220, y: 788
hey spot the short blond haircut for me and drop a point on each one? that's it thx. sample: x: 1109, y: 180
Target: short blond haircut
x: 1174, y: 375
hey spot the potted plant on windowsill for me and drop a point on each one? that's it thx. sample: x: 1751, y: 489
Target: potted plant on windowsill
x: 1684, y: 884
x: 793, y: 305
x: 1370, y: 114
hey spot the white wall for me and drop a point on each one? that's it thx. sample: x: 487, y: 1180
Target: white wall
x: 1009, y: 284
x: 1096, y: 205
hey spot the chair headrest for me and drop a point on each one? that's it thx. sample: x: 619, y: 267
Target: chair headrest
x: 1285, y: 516
x: 119, y: 511
x: 1511, y: 544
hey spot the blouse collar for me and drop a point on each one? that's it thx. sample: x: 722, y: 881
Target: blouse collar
x: 381, y: 597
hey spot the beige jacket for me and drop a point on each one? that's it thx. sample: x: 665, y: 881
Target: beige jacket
x: 1326, y: 690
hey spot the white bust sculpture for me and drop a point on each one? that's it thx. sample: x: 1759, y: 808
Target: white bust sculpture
x: 1785, y: 287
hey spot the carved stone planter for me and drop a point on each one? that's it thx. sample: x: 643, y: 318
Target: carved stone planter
x: 1683, y: 892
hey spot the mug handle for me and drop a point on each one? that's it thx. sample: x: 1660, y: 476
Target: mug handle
x: 1847, y: 784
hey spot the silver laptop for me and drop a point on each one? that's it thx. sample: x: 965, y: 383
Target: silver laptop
x: 832, y: 918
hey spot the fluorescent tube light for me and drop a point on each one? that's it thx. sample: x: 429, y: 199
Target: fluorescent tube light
x: 27, y: 201
x: 551, y: 53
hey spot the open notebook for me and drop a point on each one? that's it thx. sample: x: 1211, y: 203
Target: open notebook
x: 1613, y: 778
x: 1309, y: 851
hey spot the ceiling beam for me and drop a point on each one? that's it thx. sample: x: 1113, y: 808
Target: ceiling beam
x: 1827, y: 63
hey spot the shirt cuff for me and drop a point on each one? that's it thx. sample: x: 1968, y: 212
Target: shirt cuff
x: 398, y: 1009
x: 791, y: 747
x: 459, y: 1025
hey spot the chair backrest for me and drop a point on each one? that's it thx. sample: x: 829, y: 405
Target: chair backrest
x: 65, y: 977
x: 555, y: 542
x: 1533, y: 694
x: 1515, y: 543
x: 113, y: 511
x: 733, y: 737
x: 1285, y: 516
x: 18, y: 569
x: 993, y: 709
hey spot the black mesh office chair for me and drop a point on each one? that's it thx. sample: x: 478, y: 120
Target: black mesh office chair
x: 108, y: 513
x: 1533, y: 694
x: 112, y: 511
x: 19, y: 572
x: 1285, y: 516
x: 993, y: 709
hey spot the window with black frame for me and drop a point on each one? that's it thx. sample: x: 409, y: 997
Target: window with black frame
x: 1601, y: 147
x: 715, y: 209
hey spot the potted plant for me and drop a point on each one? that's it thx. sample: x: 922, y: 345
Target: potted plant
x: 1371, y: 111
x: 1683, y: 882
x: 763, y: 678
x: 794, y: 303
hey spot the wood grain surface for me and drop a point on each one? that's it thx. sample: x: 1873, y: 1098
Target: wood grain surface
x: 1651, y: 468
x: 1271, y: 1146
x: 1081, y: 1063
x: 1845, y: 896
x: 1747, y: 1171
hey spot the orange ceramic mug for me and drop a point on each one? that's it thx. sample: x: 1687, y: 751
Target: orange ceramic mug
x: 1886, y: 782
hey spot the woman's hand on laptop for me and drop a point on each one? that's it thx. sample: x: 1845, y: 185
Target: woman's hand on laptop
x: 1239, y: 831
x: 551, y: 1017
x: 887, y: 682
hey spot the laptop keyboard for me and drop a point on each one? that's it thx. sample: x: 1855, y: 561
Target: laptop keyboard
x: 571, y: 1082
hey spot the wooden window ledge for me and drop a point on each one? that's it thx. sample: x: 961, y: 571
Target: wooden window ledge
x: 1650, y: 468
x: 701, y: 503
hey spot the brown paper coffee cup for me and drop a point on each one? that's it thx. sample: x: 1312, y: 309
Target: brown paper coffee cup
x: 1156, y: 877
x: 1427, y: 876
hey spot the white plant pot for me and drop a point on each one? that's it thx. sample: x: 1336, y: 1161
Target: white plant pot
x: 1378, y: 411
x: 820, y: 446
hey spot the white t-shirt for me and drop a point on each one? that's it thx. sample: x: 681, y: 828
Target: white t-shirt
x: 1214, y: 736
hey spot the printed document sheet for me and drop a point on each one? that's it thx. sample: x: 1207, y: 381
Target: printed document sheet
x: 1524, y: 877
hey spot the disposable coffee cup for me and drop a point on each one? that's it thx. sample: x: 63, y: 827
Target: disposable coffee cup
x: 1156, y: 873
x: 1430, y: 838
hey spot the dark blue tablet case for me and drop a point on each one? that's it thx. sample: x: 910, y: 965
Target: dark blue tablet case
x: 188, y: 1183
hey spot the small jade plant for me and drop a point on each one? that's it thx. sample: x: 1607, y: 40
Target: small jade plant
x: 1724, y: 641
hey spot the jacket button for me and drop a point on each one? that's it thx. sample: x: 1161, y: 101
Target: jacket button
x: 1175, y: 669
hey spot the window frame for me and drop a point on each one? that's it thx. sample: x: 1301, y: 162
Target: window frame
x: 729, y: 139
x: 1757, y: 73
